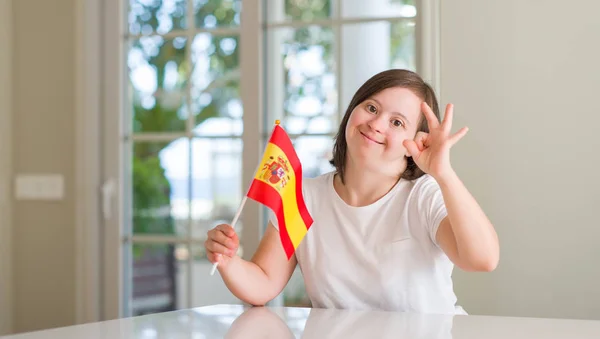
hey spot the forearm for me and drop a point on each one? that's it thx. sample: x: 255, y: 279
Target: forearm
x: 247, y: 281
x: 476, y: 239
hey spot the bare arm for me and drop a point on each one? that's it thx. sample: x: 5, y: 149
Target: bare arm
x: 466, y: 235
x: 263, y: 277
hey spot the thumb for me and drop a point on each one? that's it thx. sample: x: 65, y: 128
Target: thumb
x: 411, y: 147
x: 234, y: 236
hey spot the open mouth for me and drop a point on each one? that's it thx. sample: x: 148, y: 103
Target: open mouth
x: 371, y: 139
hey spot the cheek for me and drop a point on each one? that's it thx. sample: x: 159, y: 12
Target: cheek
x: 359, y: 117
x: 409, y: 134
x: 396, y: 143
x: 354, y: 121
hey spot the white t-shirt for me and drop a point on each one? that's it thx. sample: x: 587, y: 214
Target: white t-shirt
x: 383, y: 256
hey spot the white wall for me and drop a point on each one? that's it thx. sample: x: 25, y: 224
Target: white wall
x: 525, y: 77
x: 5, y: 166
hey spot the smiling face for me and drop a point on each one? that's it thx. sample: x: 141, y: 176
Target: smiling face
x: 378, y: 126
x: 386, y: 109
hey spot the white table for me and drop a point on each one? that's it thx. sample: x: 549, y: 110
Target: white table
x: 235, y: 321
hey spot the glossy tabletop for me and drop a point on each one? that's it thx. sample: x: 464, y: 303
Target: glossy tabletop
x: 236, y: 321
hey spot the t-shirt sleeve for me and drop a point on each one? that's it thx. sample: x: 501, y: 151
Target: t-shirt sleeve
x: 432, y: 209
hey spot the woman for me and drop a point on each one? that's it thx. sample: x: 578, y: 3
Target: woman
x: 390, y: 222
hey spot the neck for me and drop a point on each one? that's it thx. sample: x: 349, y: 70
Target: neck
x: 362, y: 187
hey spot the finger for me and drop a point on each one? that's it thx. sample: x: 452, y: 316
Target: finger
x: 216, y: 258
x: 458, y: 135
x: 235, y: 238
x: 412, y: 148
x: 220, y: 237
x: 448, y: 116
x: 209, y: 254
x: 422, y: 139
x: 228, y: 230
x: 217, y: 248
x: 211, y: 257
x: 432, y: 120
x: 420, y: 145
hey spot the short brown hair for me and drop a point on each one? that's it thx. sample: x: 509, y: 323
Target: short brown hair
x: 377, y: 83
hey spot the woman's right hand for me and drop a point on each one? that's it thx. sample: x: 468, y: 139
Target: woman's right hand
x: 221, y: 244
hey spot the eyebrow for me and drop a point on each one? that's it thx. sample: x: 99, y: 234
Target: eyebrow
x: 397, y: 113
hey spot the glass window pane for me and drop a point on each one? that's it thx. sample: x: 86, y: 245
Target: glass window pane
x: 369, y: 48
x: 378, y: 8
x: 160, y: 187
x: 294, y: 294
x: 314, y: 152
x: 217, y: 13
x: 207, y: 291
x: 403, y: 45
x: 298, y: 10
x: 158, y: 78
x: 301, y: 87
x: 156, y: 16
x: 217, y: 183
x: 159, y: 279
x: 215, y: 84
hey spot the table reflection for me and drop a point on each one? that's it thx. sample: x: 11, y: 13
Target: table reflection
x: 260, y: 322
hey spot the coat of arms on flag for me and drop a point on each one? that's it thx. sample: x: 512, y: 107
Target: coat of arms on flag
x: 278, y: 185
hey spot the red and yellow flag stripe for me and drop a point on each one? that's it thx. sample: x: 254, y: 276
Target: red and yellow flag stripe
x: 278, y: 185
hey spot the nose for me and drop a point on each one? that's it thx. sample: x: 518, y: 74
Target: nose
x: 378, y: 123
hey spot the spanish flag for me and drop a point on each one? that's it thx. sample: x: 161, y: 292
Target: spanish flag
x: 277, y: 184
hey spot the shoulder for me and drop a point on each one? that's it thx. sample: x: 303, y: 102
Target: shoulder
x: 424, y: 185
x: 314, y: 189
x: 317, y: 183
x: 424, y: 191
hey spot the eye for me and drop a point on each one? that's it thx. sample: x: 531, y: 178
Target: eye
x: 371, y: 108
x: 397, y: 123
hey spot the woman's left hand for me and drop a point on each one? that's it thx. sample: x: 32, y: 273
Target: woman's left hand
x: 431, y: 151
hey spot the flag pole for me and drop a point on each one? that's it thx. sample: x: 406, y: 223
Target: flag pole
x: 242, y: 203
